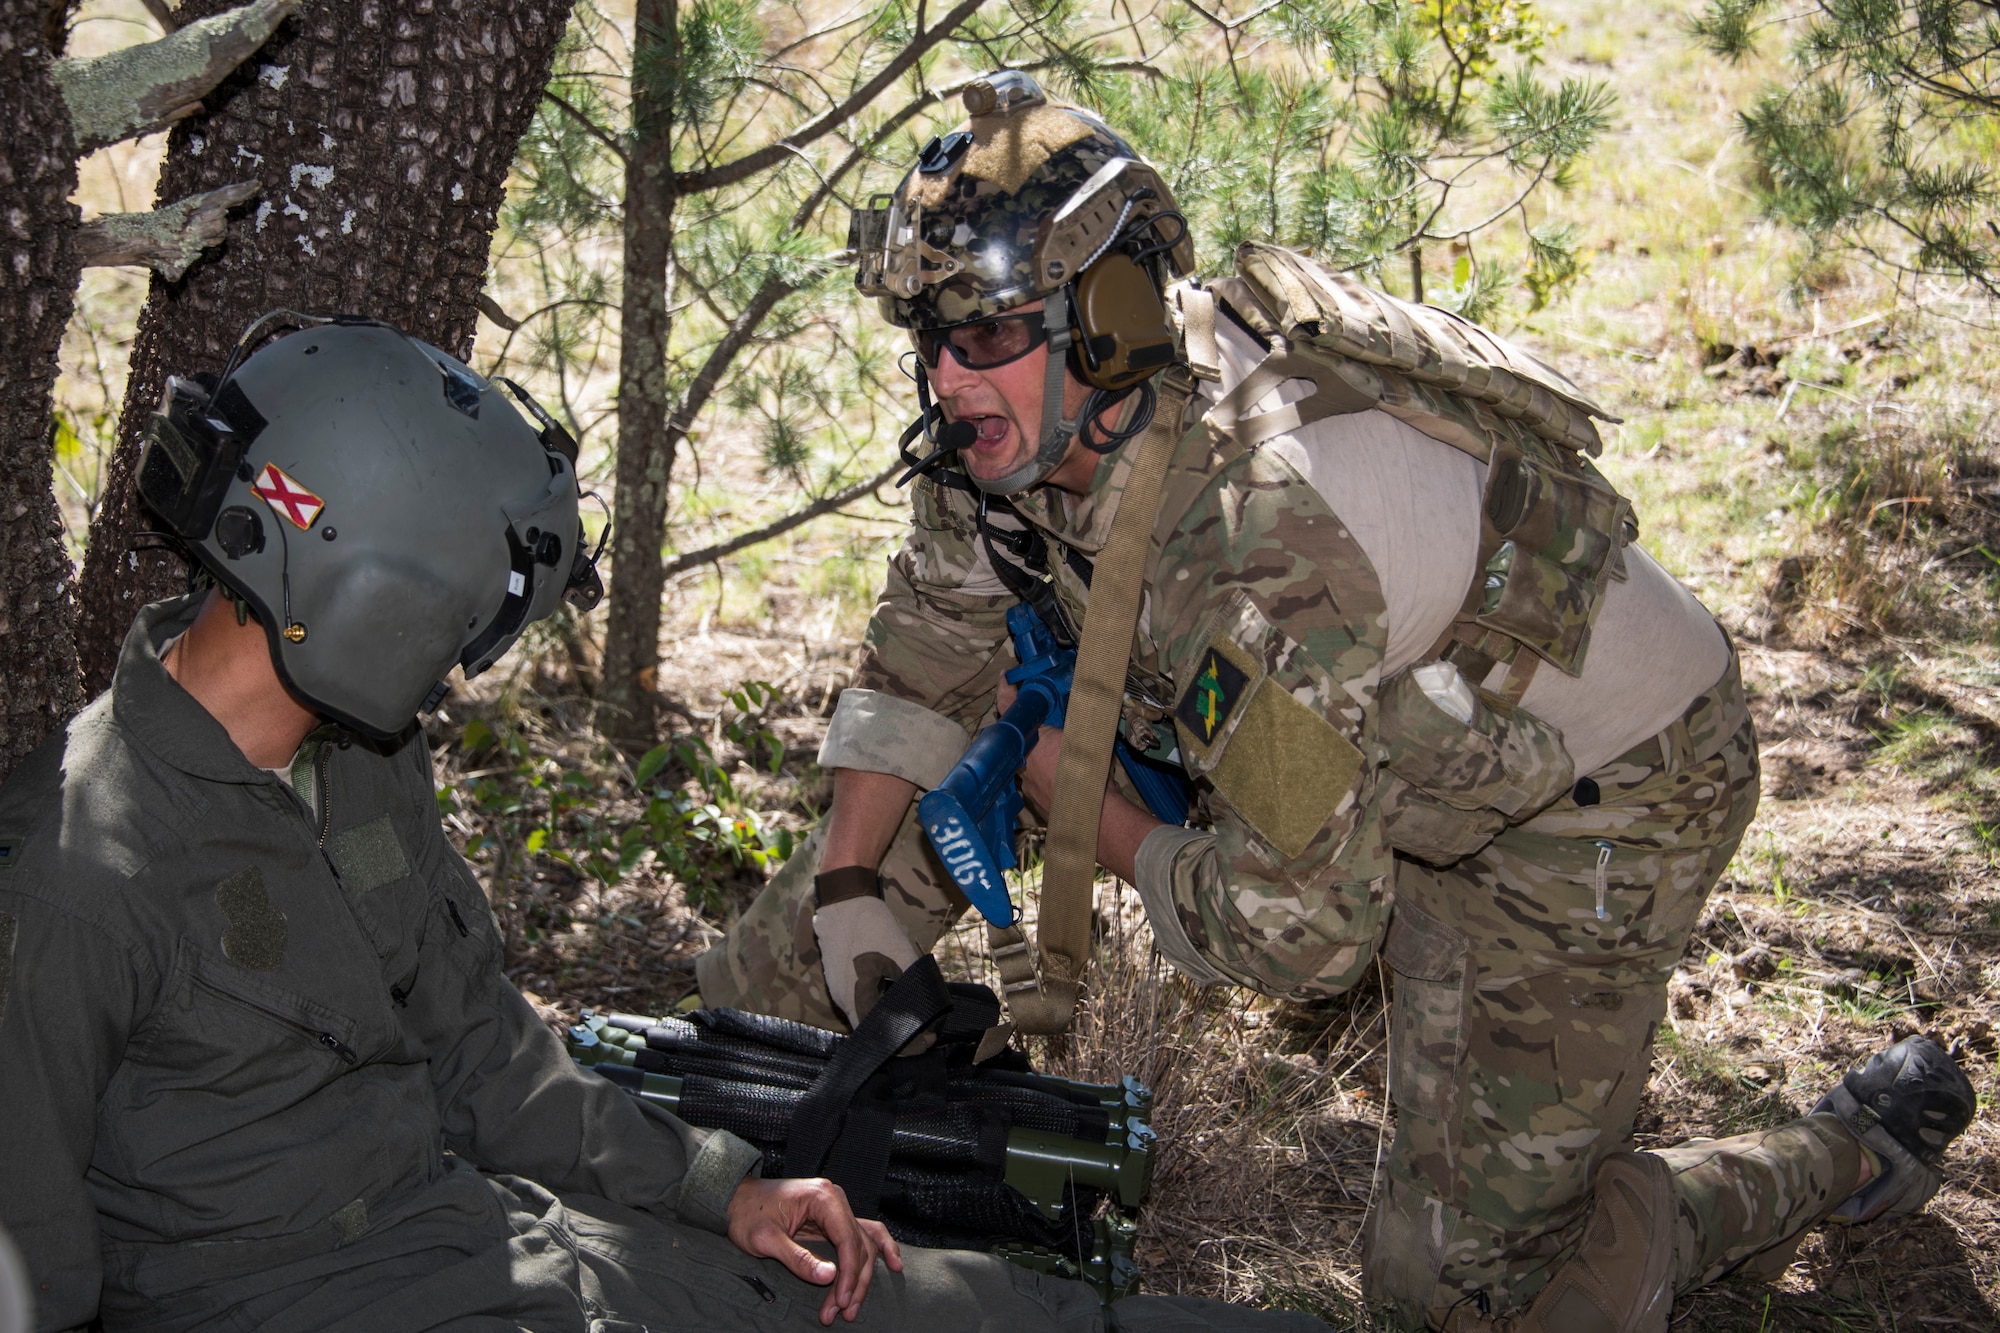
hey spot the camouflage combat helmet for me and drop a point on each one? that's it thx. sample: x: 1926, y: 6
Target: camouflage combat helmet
x: 1012, y: 207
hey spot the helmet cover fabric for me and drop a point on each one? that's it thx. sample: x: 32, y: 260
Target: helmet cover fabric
x: 988, y: 211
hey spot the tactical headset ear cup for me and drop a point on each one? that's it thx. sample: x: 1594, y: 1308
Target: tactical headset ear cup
x: 1123, y: 337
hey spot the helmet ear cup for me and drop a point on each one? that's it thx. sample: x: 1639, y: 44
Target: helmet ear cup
x: 1123, y: 336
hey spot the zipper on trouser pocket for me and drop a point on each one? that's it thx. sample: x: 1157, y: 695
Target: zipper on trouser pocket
x: 1599, y: 877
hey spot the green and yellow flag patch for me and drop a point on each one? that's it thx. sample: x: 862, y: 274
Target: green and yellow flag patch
x: 1213, y: 694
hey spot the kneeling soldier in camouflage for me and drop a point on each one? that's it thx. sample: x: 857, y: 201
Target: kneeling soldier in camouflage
x: 262, y: 1068
x: 1391, y: 624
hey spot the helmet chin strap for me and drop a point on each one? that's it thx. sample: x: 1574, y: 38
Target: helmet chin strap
x: 1057, y: 430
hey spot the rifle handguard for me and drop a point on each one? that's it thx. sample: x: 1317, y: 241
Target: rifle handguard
x: 969, y: 817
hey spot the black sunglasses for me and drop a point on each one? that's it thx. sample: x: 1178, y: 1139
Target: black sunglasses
x: 983, y: 344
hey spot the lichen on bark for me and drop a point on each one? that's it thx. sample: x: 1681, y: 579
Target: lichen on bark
x: 127, y: 92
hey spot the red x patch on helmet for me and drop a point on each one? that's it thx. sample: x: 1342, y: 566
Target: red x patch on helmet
x: 286, y: 496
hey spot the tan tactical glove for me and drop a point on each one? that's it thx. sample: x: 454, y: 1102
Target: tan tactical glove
x: 861, y: 944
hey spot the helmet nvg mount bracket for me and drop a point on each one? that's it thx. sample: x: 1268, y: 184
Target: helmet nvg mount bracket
x: 384, y: 512
x: 1033, y: 200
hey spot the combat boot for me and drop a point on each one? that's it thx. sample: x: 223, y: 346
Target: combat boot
x: 1905, y: 1106
x: 1621, y: 1278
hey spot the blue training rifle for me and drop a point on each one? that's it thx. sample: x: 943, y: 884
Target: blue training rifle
x: 970, y: 816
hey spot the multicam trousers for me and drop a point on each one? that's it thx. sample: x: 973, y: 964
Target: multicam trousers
x: 1530, y: 981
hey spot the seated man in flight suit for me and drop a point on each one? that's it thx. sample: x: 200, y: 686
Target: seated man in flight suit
x: 1429, y: 696
x: 263, y: 1070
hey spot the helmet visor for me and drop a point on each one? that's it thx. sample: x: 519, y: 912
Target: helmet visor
x: 982, y: 344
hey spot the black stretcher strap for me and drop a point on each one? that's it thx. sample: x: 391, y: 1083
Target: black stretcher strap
x: 829, y: 1133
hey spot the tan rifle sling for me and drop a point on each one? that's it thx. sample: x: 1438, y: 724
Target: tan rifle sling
x: 1046, y: 1003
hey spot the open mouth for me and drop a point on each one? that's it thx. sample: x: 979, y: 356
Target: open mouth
x: 987, y: 430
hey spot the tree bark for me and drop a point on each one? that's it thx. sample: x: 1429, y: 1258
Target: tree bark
x: 646, y: 449
x: 38, y: 268
x: 168, y: 240
x: 382, y: 133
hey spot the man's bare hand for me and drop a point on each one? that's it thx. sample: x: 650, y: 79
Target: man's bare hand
x: 766, y: 1217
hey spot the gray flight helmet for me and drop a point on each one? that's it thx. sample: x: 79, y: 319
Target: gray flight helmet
x: 384, y: 512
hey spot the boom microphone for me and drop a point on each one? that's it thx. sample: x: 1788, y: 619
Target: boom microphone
x: 951, y: 437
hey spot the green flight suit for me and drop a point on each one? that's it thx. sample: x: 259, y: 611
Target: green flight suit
x: 262, y: 1070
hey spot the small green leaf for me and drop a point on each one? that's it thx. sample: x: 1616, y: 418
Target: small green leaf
x: 477, y: 736
x: 536, y: 841
x: 651, y: 763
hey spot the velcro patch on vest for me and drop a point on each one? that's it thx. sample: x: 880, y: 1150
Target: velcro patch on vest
x: 1218, y: 686
x: 350, y: 1220
x: 368, y: 855
x: 256, y: 935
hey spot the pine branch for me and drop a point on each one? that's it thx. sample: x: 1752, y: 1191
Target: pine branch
x: 1234, y: 25
x: 708, y: 555
x: 590, y: 127
x: 742, y: 168
x: 494, y: 311
x: 741, y: 330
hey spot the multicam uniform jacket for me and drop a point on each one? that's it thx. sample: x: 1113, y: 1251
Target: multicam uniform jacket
x: 1263, y: 662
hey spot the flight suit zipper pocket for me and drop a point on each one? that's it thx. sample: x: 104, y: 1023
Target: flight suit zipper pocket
x: 317, y: 1036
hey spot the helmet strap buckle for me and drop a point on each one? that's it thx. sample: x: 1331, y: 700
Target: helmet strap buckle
x: 1057, y: 429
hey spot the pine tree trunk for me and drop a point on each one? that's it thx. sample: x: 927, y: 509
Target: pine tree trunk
x: 38, y: 268
x: 382, y: 131
x: 629, y: 696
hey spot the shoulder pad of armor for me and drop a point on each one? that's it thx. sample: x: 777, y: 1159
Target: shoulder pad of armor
x: 1317, y: 310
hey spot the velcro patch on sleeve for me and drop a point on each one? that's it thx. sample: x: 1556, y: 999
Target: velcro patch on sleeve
x: 1286, y: 770
x: 368, y: 855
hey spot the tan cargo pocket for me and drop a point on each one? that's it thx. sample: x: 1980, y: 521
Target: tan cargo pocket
x: 1418, y: 824
x: 1427, y: 1012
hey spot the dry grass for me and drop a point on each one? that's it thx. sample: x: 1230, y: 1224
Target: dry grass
x: 1271, y: 1125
